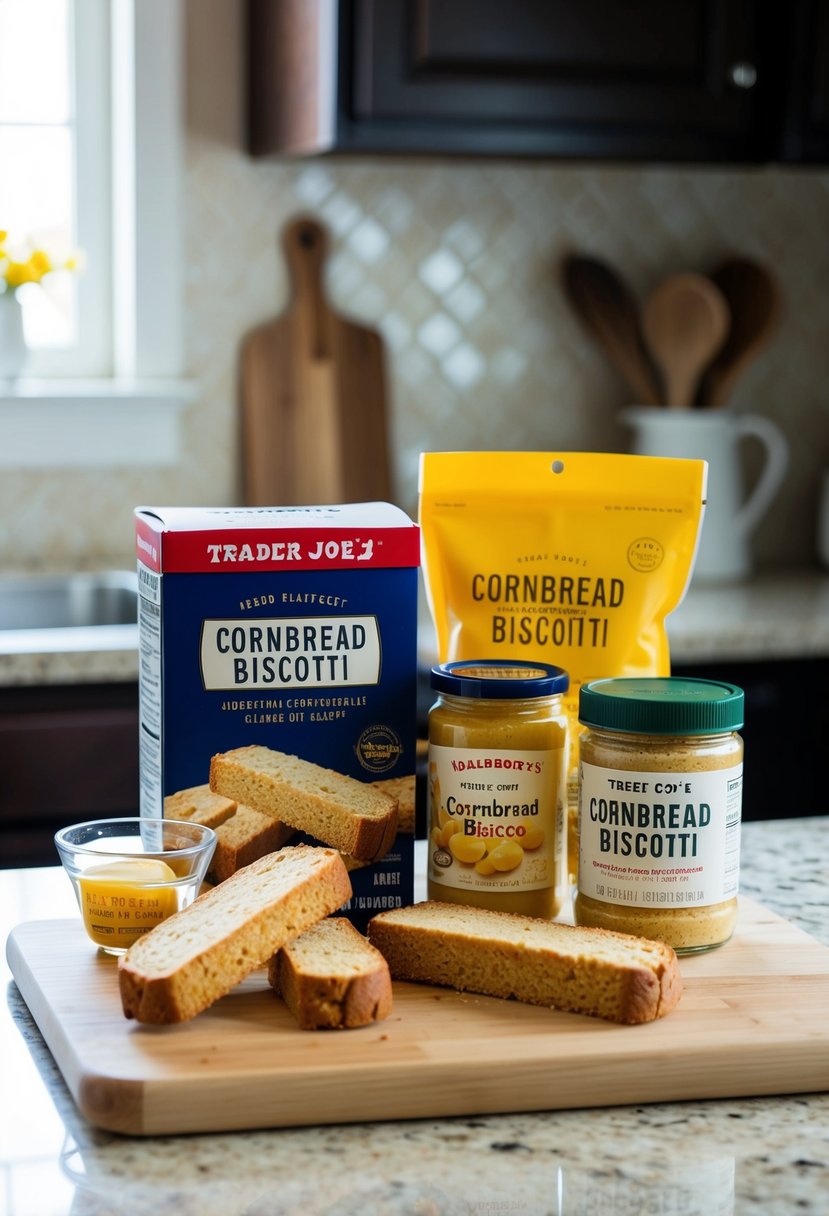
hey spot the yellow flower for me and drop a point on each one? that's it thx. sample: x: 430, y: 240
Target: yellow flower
x: 40, y: 264
x: 27, y: 263
x: 18, y: 273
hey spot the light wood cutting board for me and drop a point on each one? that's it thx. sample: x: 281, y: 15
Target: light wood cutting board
x: 752, y: 1020
x: 314, y: 409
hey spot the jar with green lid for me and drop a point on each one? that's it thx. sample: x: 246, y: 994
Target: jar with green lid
x: 660, y: 800
x: 497, y: 786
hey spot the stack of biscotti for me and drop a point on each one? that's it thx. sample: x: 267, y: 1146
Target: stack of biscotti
x: 246, y: 836
x: 352, y: 816
x: 593, y: 971
x: 242, y: 834
x: 200, y: 805
x: 187, y: 962
x: 331, y: 977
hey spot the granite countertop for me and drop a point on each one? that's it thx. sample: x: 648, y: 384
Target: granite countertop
x: 100, y: 654
x: 773, y: 616
x: 103, y: 654
x: 718, y: 1158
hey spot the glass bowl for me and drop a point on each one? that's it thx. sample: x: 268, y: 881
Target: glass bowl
x: 130, y: 874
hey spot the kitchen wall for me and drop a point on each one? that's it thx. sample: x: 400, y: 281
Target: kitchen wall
x: 457, y: 262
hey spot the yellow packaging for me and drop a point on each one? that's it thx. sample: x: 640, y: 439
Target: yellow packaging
x: 569, y: 558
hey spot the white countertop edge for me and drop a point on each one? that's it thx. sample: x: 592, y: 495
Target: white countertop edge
x: 75, y: 640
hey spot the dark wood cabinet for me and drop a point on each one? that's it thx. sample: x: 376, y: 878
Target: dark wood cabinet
x: 67, y: 754
x: 785, y: 741
x: 804, y: 135
x: 548, y: 76
x: 735, y: 81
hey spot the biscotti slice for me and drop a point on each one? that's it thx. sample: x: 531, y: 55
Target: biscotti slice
x: 594, y: 971
x: 190, y: 960
x: 243, y: 838
x: 403, y: 789
x: 331, y: 977
x: 200, y: 805
x: 349, y: 815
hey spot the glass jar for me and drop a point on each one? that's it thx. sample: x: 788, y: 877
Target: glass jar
x: 660, y: 796
x: 497, y: 786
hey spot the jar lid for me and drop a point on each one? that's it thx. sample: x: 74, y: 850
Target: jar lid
x: 663, y: 705
x: 499, y: 679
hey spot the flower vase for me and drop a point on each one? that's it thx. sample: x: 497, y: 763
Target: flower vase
x: 13, y: 349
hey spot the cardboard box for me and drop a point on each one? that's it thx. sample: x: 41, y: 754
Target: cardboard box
x: 290, y: 628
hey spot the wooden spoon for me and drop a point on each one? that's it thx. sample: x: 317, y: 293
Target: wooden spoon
x: 685, y: 321
x: 755, y: 302
x: 610, y: 313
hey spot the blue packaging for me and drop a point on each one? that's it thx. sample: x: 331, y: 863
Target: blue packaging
x: 290, y: 628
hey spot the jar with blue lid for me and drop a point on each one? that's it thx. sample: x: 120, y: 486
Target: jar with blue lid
x: 660, y: 803
x: 497, y: 785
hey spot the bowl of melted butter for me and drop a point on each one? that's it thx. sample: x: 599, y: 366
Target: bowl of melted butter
x: 129, y: 875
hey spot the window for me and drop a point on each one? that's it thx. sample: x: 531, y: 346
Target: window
x: 91, y: 145
x: 54, y: 142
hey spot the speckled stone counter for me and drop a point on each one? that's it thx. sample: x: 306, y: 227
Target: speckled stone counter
x: 101, y: 655
x: 766, y: 1156
x: 773, y: 616
x: 78, y: 654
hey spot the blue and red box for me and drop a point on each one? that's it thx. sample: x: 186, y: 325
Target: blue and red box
x: 293, y: 628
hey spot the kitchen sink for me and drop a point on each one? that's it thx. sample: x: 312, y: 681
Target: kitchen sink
x: 49, y: 601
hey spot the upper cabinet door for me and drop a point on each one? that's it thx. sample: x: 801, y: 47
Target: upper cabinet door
x: 659, y: 81
x: 805, y: 112
x: 624, y: 79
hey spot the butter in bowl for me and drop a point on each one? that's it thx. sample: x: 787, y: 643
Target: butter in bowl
x: 131, y: 874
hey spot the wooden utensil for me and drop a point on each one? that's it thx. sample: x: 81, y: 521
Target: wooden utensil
x: 755, y: 302
x: 610, y: 313
x: 685, y: 321
x: 314, y: 423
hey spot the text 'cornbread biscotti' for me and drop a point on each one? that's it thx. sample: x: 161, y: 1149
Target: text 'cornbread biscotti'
x: 352, y: 816
x: 196, y: 956
x: 593, y: 971
x: 331, y: 977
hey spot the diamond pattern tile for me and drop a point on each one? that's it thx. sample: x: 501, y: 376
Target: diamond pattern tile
x: 440, y: 271
x: 458, y: 265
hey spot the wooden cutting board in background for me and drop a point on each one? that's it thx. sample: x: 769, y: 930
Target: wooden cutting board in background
x: 752, y: 1020
x: 314, y: 408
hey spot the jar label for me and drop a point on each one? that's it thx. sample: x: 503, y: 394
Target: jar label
x: 659, y: 840
x: 495, y: 818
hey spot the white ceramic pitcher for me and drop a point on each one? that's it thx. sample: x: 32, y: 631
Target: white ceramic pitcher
x: 731, y: 514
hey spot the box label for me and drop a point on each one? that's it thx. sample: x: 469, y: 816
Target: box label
x: 295, y: 652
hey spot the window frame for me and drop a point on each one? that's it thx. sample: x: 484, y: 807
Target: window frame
x: 98, y: 414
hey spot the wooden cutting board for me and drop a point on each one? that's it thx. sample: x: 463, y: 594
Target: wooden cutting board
x: 753, y: 1020
x: 314, y: 412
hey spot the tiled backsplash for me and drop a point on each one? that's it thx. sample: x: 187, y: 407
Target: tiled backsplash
x: 458, y: 264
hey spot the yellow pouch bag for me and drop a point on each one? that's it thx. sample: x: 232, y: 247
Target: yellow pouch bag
x: 570, y: 558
